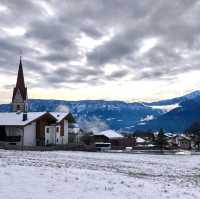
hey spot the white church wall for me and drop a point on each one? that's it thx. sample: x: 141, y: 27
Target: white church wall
x: 18, y: 102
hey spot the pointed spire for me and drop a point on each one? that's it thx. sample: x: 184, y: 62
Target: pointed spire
x: 20, y: 77
x: 20, y: 85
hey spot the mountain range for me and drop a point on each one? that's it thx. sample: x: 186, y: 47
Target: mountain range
x: 173, y: 115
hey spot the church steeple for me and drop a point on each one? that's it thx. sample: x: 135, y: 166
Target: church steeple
x: 20, y: 77
x: 19, y: 99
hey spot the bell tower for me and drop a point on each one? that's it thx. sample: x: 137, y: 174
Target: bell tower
x: 20, y: 99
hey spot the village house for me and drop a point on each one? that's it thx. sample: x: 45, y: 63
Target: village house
x: 181, y: 141
x: 109, y: 136
x: 24, y: 128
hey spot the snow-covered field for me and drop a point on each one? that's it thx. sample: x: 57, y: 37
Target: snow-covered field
x: 82, y: 175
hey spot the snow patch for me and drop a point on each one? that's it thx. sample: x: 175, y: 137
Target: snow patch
x: 166, y: 108
x: 147, y: 118
x: 110, y: 134
x: 83, y: 175
x: 140, y: 140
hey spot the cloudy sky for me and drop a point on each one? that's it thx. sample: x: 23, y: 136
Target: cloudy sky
x: 101, y: 49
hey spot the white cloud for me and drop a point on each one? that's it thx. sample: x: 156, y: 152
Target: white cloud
x: 147, y: 45
x: 88, y: 43
x: 14, y: 31
x: 3, y: 8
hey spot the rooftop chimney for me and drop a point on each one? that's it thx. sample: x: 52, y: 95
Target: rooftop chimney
x: 24, y: 117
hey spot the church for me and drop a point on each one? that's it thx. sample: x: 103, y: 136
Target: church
x: 24, y: 128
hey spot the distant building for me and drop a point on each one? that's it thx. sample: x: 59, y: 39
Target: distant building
x: 185, y: 143
x: 21, y: 127
x: 109, y: 136
x: 181, y: 141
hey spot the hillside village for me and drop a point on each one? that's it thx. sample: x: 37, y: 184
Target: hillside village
x: 23, y: 128
x: 99, y: 99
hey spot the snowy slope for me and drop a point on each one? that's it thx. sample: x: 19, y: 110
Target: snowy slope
x: 81, y: 175
x: 176, y: 120
x: 113, y: 114
x: 177, y: 100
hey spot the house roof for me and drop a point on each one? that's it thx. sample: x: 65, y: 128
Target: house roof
x: 184, y: 137
x: 140, y: 140
x: 15, y: 119
x: 110, y: 134
x: 63, y: 115
x: 59, y: 115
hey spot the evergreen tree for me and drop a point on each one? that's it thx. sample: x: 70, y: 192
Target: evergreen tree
x: 161, y: 139
x: 194, y: 132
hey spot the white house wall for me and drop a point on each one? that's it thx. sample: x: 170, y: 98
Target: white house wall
x: 30, y: 135
x: 52, y: 136
x: 59, y: 139
x: 65, y: 137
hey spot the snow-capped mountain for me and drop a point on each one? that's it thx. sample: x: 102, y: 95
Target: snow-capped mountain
x: 111, y: 114
x: 175, y: 114
x: 176, y: 100
x: 178, y: 119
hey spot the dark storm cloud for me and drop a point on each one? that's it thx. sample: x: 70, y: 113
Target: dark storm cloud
x: 57, y: 57
x: 73, y: 74
x: 111, y: 51
x: 174, y: 24
x: 21, y: 13
x: 49, y: 44
x: 118, y: 74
